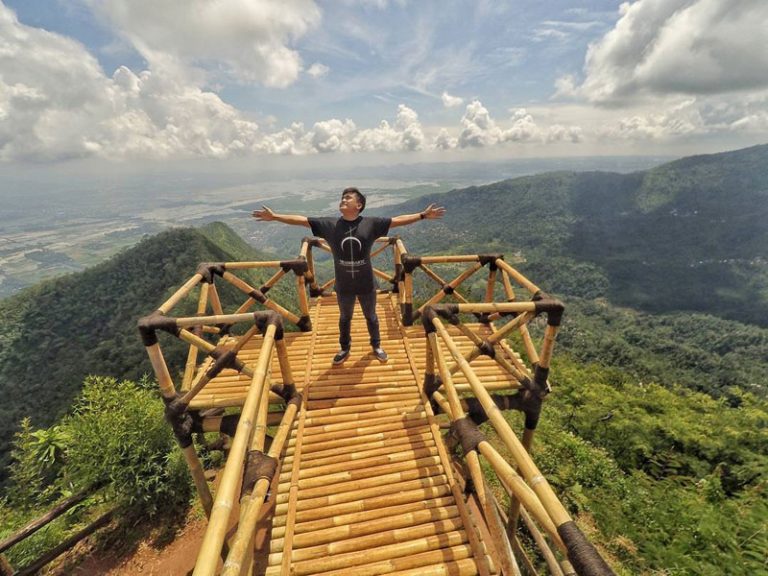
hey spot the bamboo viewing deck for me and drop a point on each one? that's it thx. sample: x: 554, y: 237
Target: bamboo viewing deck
x: 369, y: 468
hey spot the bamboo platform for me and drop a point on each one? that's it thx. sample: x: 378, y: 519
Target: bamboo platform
x: 344, y: 469
x: 365, y: 485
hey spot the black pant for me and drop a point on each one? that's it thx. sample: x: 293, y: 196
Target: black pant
x: 347, y: 307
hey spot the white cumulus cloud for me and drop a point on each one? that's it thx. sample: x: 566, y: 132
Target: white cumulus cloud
x: 690, y: 47
x: 318, y: 70
x: 249, y: 40
x: 451, y: 101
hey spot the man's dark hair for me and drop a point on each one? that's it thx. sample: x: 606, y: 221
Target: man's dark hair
x: 356, y: 192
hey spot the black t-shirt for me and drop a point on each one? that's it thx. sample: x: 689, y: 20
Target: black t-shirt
x: 351, y: 243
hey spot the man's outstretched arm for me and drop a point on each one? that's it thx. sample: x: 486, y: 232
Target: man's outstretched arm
x: 266, y: 215
x: 431, y: 212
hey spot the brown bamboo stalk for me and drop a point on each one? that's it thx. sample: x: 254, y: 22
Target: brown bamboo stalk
x: 519, y: 278
x: 189, y: 368
x: 328, y: 284
x: 292, y: 509
x: 466, y: 567
x: 509, y: 290
x: 379, y: 250
x: 385, y: 559
x: 246, y: 288
x: 215, y: 533
x: 180, y: 294
x: 453, y: 284
x: 252, y: 505
x: 529, y: 470
x: 412, y: 492
x: 247, y: 265
x: 429, y: 272
x: 318, y: 553
x: 474, y: 540
x: 450, y: 259
x: 301, y: 291
x: 213, y: 296
x: 168, y: 391
x: 275, y: 278
x: 456, y: 412
x: 542, y: 544
x: 547, y: 346
x: 367, y: 515
x: 490, y: 288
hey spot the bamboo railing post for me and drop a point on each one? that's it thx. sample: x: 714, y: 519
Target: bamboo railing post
x: 215, y: 534
x: 581, y: 552
x: 251, y: 505
x: 189, y: 367
x: 148, y: 327
x: 400, y: 252
x: 473, y: 463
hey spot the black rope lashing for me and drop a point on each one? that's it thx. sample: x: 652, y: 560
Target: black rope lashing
x: 581, y: 553
x: 257, y: 295
x: 467, y: 433
x: 410, y: 263
x: 209, y: 270
x: 552, y: 307
x: 487, y: 349
x: 264, y: 289
x: 305, y: 324
x: 181, y: 421
x: 149, y: 325
x: 223, y: 358
x: 298, y: 266
x: 315, y: 291
x: 257, y: 466
x: 296, y: 400
x: 432, y: 383
x: 311, y: 241
x: 490, y: 259
x: 228, y: 424
x: 286, y: 391
x: 526, y: 402
x: 448, y: 289
x: 269, y: 318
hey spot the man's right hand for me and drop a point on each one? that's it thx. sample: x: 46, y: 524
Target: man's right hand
x: 265, y: 214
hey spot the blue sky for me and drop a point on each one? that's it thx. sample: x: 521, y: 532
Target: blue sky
x: 131, y: 80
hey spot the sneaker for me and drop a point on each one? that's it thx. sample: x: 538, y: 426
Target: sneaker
x: 341, y: 355
x: 381, y: 356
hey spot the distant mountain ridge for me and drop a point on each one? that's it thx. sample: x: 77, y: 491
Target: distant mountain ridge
x: 57, y: 332
x: 687, y: 235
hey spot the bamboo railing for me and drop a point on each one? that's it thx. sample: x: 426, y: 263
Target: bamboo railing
x: 463, y: 358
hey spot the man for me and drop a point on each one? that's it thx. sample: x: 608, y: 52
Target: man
x: 351, y: 238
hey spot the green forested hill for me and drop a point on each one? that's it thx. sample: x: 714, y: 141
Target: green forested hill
x: 54, y: 334
x: 690, y: 235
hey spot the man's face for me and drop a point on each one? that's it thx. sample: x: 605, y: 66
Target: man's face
x: 349, y: 205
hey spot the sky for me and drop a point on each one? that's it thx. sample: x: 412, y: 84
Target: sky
x: 134, y: 81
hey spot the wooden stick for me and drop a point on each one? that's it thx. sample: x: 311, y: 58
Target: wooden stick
x: 213, y: 296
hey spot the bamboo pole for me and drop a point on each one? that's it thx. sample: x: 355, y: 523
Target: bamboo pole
x: 452, y: 284
x: 246, y: 265
x: 519, y: 278
x: 210, y: 550
x: 46, y: 518
x: 431, y: 274
x: 457, y: 413
x: 213, y: 296
x: 246, y: 288
x: 490, y: 288
x: 181, y: 293
x: 452, y: 259
x: 253, y: 504
x: 579, y: 551
x: 189, y: 367
x: 483, y: 565
x: 168, y: 391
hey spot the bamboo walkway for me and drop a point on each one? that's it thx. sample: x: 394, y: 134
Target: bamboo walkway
x: 365, y: 485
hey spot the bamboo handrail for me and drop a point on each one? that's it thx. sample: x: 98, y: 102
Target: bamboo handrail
x: 210, y: 550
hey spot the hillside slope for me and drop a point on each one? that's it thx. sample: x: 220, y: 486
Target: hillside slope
x: 686, y: 236
x: 55, y: 333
